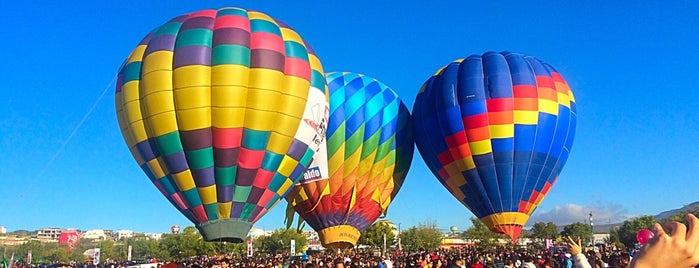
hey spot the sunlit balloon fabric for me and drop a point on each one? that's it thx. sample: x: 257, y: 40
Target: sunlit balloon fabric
x: 369, y: 150
x: 223, y: 110
x: 496, y: 130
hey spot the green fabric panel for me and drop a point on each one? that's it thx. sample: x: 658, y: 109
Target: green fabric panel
x: 200, y: 159
x: 230, y: 54
x: 225, y: 175
x: 241, y: 193
x: 194, y: 37
x: 168, y: 28
x: 335, y: 141
x: 353, y: 142
x: 192, y: 197
x: 295, y: 50
x: 169, y: 143
x: 254, y: 139
x: 211, y: 211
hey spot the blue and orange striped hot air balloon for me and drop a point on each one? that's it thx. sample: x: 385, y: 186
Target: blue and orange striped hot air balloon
x: 496, y: 130
x: 369, y: 151
x: 223, y: 110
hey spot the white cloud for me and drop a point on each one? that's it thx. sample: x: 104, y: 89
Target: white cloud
x: 571, y: 213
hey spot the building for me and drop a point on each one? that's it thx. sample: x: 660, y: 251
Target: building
x: 3, y: 230
x: 155, y: 236
x: 49, y: 234
x: 97, y: 235
x: 123, y: 234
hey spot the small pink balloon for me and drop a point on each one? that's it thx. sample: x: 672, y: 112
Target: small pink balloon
x: 644, y: 235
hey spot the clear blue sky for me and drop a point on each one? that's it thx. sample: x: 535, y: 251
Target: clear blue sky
x: 632, y: 67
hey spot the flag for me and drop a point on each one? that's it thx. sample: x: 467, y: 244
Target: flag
x: 4, y: 261
x: 29, y: 256
x: 12, y: 259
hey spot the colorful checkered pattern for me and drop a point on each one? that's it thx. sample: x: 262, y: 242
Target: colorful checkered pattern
x: 213, y: 105
x: 496, y: 130
x: 370, y: 148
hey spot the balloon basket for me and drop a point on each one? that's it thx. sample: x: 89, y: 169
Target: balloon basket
x: 339, y: 237
x: 225, y: 230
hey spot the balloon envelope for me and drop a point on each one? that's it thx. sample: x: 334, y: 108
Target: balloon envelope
x: 496, y: 130
x: 223, y: 110
x: 369, y: 150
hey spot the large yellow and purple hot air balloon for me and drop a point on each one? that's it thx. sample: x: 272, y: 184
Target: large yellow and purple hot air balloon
x: 496, y: 130
x: 223, y: 110
x: 369, y: 150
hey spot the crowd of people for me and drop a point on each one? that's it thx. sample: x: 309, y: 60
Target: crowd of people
x: 675, y: 246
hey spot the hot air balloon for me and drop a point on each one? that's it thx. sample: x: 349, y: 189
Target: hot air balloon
x: 223, y: 110
x: 496, y: 131
x: 369, y: 150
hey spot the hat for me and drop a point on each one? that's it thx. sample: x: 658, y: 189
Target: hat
x: 568, y: 255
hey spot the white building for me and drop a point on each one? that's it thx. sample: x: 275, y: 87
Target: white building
x: 96, y: 234
x: 49, y: 234
x: 3, y: 230
x: 153, y: 235
x: 124, y: 234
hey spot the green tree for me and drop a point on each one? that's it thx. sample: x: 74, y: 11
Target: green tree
x: 373, y: 236
x: 542, y: 231
x: 38, y: 250
x: 425, y: 236
x: 578, y: 230
x: 681, y: 216
x: 613, y: 239
x: 479, y: 232
x: 627, y: 231
x: 280, y: 241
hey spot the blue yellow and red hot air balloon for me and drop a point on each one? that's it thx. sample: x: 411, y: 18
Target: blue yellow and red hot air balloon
x: 369, y: 150
x: 223, y: 110
x: 496, y: 130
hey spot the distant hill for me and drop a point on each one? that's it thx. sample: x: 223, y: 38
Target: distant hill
x: 666, y: 214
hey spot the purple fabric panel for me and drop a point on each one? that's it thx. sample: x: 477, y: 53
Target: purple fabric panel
x: 267, y: 59
x: 297, y: 149
x: 226, y: 157
x: 201, y: 22
x: 227, y: 36
x: 237, y: 209
x: 192, y: 55
x: 176, y: 162
x: 162, y: 42
x: 245, y: 176
x: 204, y: 177
x: 224, y: 193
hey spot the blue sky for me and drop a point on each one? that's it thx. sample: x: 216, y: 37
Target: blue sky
x: 632, y: 68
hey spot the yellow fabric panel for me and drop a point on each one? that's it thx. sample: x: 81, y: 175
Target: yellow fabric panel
x: 154, y: 166
x: 526, y: 117
x: 366, y: 164
x: 267, y: 100
x: 335, y: 161
x: 192, y: 97
x: 224, y: 210
x: 302, y: 194
x: 287, y: 166
x: 184, y: 180
x: 563, y: 99
x: 548, y: 106
x: 229, y: 96
x: 266, y: 78
x: 132, y: 112
x: 159, y: 102
x: 287, y: 184
x: 207, y: 194
x: 291, y: 105
x: 291, y: 35
x: 191, y: 76
x: 227, y: 117
x: 129, y: 91
x: 162, y: 124
x: 570, y: 95
x: 502, y: 131
x: 261, y: 16
x: 259, y: 120
x: 156, y: 61
x: 155, y: 82
x: 136, y: 54
x: 278, y: 143
x: 480, y: 147
x: 516, y: 218
x: 138, y: 131
x: 230, y: 75
x: 194, y: 118
x: 452, y: 170
x: 465, y: 163
x: 287, y: 125
x: 296, y: 86
x: 379, y: 169
x: 352, y: 161
x: 315, y: 63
